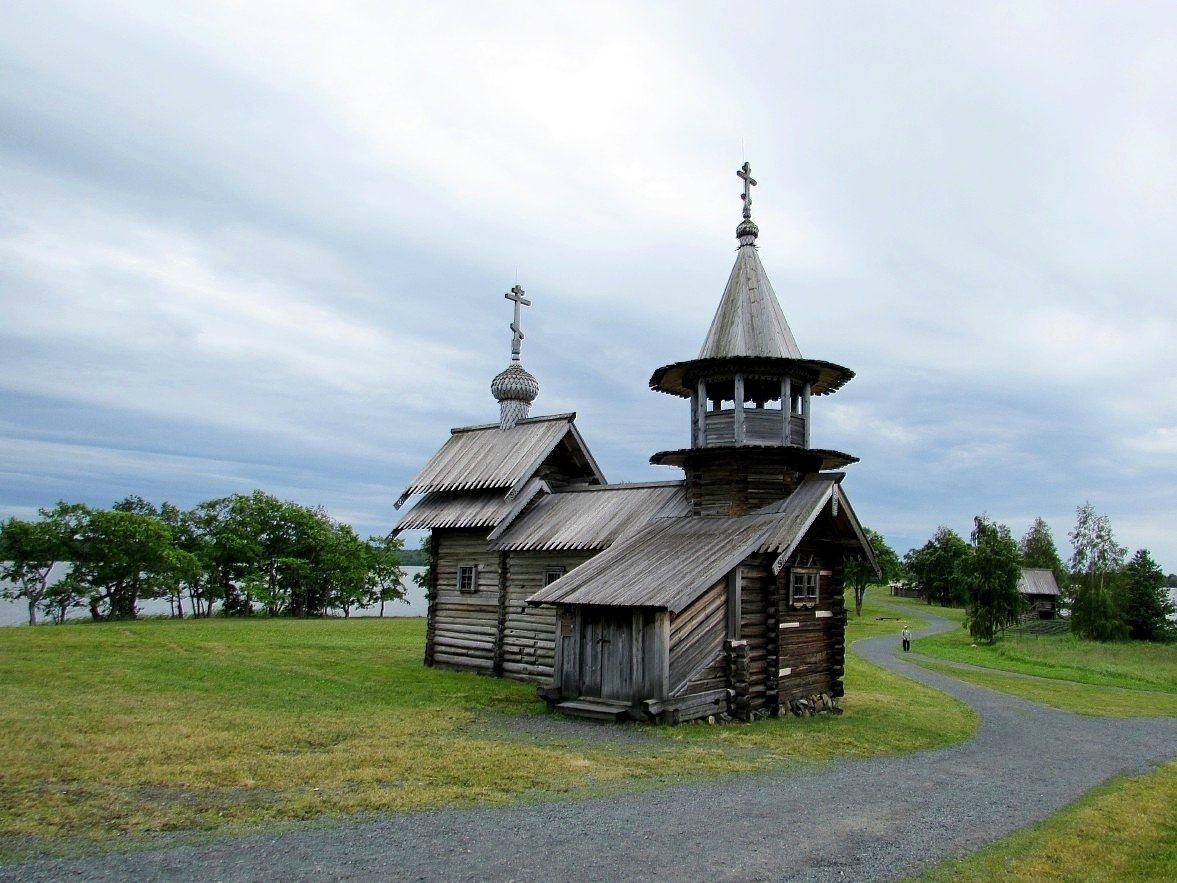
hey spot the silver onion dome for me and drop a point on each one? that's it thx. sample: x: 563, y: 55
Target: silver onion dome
x: 514, y: 388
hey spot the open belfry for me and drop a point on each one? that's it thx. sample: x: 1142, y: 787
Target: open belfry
x: 719, y: 593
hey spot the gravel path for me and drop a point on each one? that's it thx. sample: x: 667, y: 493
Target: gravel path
x: 858, y: 820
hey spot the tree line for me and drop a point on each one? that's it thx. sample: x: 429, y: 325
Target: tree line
x: 240, y: 554
x: 1109, y: 597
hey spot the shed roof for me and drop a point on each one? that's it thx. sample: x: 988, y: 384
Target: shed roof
x: 590, y: 518
x: 487, y: 456
x: 461, y: 509
x: 671, y: 561
x: 1038, y: 581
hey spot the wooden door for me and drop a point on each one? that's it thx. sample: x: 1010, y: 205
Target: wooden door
x: 606, y: 654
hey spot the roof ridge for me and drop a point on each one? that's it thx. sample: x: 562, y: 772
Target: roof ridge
x: 569, y: 417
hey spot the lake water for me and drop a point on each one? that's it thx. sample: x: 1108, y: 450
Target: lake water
x: 17, y: 612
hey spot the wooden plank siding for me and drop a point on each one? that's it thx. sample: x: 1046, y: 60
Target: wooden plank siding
x: 762, y: 426
x: 696, y: 643
x: 619, y: 654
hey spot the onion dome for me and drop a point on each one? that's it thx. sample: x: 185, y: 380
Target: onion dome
x: 515, y: 388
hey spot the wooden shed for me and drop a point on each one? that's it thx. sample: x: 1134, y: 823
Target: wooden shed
x: 1040, y: 589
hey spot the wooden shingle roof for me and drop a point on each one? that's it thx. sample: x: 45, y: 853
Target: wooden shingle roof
x: 671, y: 561
x: 749, y: 320
x: 749, y: 334
x: 590, y: 518
x: 486, y: 457
x: 665, y: 565
x: 1038, y: 581
x: 459, y: 509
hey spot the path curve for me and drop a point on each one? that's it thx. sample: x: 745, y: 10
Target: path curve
x: 877, y: 819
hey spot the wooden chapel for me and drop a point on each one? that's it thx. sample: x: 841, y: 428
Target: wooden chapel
x: 719, y: 593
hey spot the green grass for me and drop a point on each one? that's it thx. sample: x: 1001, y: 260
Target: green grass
x: 1133, y: 665
x: 1126, y: 830
x: 1124, y: 679
x: 1069, y: 696
x: 122, y: 733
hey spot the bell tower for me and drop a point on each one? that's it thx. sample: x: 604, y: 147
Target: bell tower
x: 751, y: 394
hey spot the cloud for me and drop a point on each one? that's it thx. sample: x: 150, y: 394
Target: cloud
x: 267, y: 243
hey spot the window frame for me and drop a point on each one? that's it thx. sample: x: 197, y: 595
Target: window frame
x: 472, y: 571
x: 808, y: 578
x: 553, y: 573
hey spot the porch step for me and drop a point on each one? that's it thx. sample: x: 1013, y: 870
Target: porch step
x: 598, y: 709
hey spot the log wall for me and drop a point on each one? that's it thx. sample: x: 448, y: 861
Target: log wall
x: 464, y: 626
x: 493, y: 629
x: 527, y: 643
x: 787, y: 652
x: 739, y: 482
x: 812, y: 640
x: 757, y: 630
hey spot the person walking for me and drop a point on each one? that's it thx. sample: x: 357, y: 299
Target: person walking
x: 906, y: 638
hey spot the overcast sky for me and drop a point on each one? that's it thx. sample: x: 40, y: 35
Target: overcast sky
x: 265, y: 244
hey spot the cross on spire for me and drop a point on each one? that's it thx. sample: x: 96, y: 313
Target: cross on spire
x: 749, y: 183
x: 516, y: 294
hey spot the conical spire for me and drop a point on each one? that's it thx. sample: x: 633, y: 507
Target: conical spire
x: 514, y: 388
x: 749, y: 321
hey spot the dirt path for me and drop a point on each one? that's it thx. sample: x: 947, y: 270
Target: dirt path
x: 878, y: 819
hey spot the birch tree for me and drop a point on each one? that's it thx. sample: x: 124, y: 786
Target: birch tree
x: 1095, y: 564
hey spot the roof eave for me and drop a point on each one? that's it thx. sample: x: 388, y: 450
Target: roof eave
x: 680, y: 378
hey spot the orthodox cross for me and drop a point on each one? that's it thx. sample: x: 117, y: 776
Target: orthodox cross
x: 516, y: 294
x: 749, y: 183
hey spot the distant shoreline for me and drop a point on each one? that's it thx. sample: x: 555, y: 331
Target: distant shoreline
x: 17, y: 612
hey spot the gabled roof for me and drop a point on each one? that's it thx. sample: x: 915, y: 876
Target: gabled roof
x: 486, y: 457
x: 749, y: 321
x: 670, y: 562
x: 1038, y: 581
x: 801, y: 509
x: 590, y: 518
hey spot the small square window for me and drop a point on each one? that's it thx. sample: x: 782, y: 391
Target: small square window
x: 552, y: 574
x: 803, y: 588
x: 468, y: 578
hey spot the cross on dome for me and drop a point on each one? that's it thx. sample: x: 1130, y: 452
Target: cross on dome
x: 516, y: 294
x: 749, y: 183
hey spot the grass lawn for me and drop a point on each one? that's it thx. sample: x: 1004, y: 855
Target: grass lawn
x: 120, y: 733
x: 1122, y: 679
x: 1123, y: 831
x: 1133, y: 665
